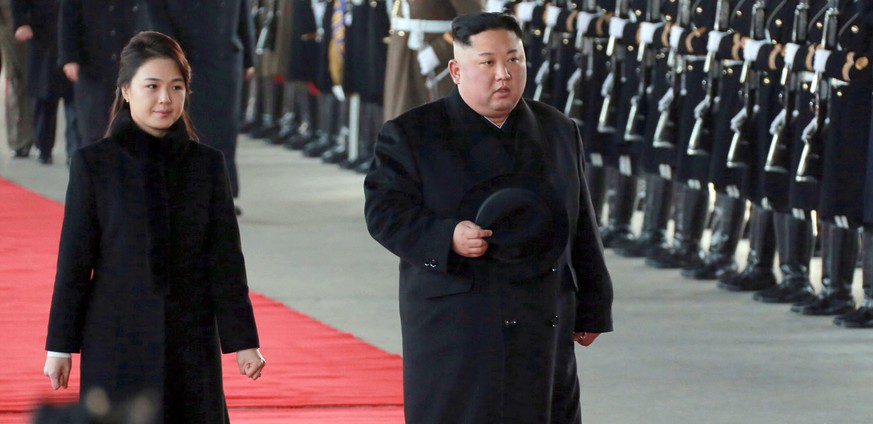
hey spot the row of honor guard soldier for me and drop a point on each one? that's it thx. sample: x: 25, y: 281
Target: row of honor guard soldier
x: 765, y: 103
x: 332, y: 71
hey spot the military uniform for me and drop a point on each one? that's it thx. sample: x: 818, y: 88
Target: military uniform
x: 416, y: 25
x: 843, y: 173
x: 19, y: 114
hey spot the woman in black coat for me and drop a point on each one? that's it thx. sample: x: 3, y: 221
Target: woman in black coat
x: 151, y: 279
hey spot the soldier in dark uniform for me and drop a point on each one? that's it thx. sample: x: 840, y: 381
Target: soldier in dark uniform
x: 863, y: 316
x: 36, y: 21
x: 366, y: 44
x: 301, y: 73
x: 730, y: 184
x: 691, y: 172
x: 218, y: 40
x: 792, y: 228
x: 841, y: 202
x: 91, y: 35
x: 655, y: 163
x: 591, y: 23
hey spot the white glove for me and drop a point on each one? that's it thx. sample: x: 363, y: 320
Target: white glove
x: 665, y: 101
x: 495, y: 6
x: 552, y: 13
x: 318, y: 8
x: 702, y: 107
x: 338, y: 92
x: 647, y: 31
x: 809, y: 130
x: 676, y: 36
x: 738, y: 120
x: 616, y: 27
x: 571, y: 83
x: 525, y: 11
x: 541, y: 73
x: 778, y: 123
x: 751, y: 49
x: 583, y: 21
x: 714, y: 41
x: 607, y: 85
x: 427, y: 60
x: 791, y: 50
x: 820, y: 60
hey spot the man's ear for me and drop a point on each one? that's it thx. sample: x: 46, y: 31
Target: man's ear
x: 455, y: 71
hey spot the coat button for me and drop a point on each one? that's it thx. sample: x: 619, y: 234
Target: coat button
x: 554, y: 321
x: 510, y: 323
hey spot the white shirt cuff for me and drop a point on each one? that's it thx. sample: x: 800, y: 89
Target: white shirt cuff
x: 51, y: 354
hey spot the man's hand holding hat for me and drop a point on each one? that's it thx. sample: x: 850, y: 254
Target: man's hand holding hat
x: 468, y: 239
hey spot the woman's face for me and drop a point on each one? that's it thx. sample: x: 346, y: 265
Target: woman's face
x: 156, y: 95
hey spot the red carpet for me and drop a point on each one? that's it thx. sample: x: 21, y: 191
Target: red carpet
x: 314, y: 374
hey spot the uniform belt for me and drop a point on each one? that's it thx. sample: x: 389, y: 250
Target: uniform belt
x: 417, y: 28
x: 420, y: 25
x: 838, y: 83
x: 695, y: 58
x: 732, y: 63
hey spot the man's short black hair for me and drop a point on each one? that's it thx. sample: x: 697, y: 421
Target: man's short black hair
x: 466, y: 26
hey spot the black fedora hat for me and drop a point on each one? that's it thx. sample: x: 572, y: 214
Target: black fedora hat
x: 528, y: 220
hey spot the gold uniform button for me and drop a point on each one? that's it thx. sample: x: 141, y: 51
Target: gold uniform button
x: 630, y: 48
x: 565, y: 41
x: 819, y: 25
x: 778, y: 23
x: 699, y: 10
x: 638, y: 12
x: 839, y: 93
x: 538, y: 33
x: 401, y: 33
x: 668, y: 18
x: 730, y: 71
x: 690, y: 67
x: 599, y: 47
x: 766, y: 81
x: 373, y: 4
x: 855, y: 29
x: 805, y: 86
x: 739, y: 13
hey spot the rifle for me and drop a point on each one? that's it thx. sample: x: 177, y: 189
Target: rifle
x: 635, y: 128
x: 809, y: 168
x: 778, y: 159
x: 665, y: 131
x: 740, y: 152
x: 543, y: 76
x: 700, y: 143
x: 584, y: 70
x: 606, y: 122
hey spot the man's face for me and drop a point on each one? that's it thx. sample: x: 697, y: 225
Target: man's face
x: 490, y: 73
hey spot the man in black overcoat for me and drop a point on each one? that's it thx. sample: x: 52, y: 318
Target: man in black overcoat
x: 486, y: 341
x: 91, y: 34
x: 218, y: 40
x: 36, y: 21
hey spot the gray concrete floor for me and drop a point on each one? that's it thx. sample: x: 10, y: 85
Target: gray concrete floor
x: 683, y: 351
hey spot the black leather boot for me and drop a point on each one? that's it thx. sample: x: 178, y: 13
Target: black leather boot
x: 839, y: 256
x: 622, y: 205
x: 690, y: 220
x: 794, y: 241
x: 595, y: 176
x: 658, y: 200
x: 287, y: 128
x: 863, y: 316
x: 758, y: 273
x: 728, y: 221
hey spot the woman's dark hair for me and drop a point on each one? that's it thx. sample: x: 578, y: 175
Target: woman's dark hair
x: 143, y: 47
x: 466, y: 26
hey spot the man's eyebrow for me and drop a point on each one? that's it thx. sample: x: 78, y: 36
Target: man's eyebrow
x: 492, y: 54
